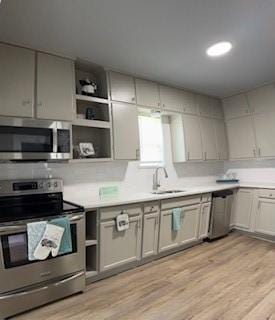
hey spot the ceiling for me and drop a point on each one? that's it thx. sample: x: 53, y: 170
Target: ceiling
x: 157, y: 39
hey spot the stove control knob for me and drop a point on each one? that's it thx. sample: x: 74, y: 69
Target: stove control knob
x: 49, y: 185
x: 41, y: 185
x: 55, y: 184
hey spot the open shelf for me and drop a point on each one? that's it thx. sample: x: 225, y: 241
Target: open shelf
x: 99, y: 137
x: 91, y: 217
x: 81, y: 97
x: 91, y: 261
x: 91, y: 243
x: 99, y: 111
x: 92, y: 123
x: 90, y: 274
x: 93, y: 72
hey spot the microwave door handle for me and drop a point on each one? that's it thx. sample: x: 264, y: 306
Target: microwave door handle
x: 55, y: 142
x: 12, y: 229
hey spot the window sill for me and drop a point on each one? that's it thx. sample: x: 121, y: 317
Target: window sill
x: 153, y: 165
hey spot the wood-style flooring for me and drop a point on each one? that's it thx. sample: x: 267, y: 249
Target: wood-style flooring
x: 232, y: 278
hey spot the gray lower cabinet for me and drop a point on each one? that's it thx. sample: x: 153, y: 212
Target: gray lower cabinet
x: 150, y: 234
x: 265, y: 217
x: 243, y: 208
x: 189, y: 224
x: 119, y: 247
x: 169, y: 238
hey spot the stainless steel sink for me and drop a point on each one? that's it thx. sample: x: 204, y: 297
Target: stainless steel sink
x: 167, y: 191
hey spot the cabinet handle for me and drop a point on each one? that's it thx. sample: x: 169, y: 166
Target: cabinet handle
x: 133, y: 99
x: 137, y: 154
x: 39, y: 104
x: 188, y: 155
x: 254, y: 152
x: 159, y: 104
x: 163, y: 105
x: 219, y: 155
x: 259, y: 151
x: 26, y: 103
x: 205, y: 154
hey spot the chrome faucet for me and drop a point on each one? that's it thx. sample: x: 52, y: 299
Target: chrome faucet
x: 156, y: 183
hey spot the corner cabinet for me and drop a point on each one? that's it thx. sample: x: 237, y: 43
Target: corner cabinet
x: 55, y: 88
x: 125, y: 131
x: 243, y: 208
x: 17, y: 79
x: 118, y: 248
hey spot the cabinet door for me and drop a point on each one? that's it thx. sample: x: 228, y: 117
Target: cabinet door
x: 265, y: 217
x: 216, y: 106
x: 147, y: 93
x: 55, y: 88
x: 204, y: 220
x: 189, y: 224
x: 203, y: 105
x: 235, y: 106
x: 208, y: 138
x: 150, y: 234
x: 168, y: 238
x: 241, y: 138
x: 188, y: 102
x: 262, y: 100
x: 16, y: 81
x: 243, y: 208
x: 221, y: 139
x: 119, y: 247
x: 170, y: 98
x: 122, y: 87
x: 192, y: 137
x: 265, y: 131
x: 125, y: 131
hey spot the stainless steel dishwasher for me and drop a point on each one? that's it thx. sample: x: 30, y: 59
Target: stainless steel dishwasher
x: 220, y: 214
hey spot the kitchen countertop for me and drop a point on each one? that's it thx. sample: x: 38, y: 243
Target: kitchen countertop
x: 90, y: 202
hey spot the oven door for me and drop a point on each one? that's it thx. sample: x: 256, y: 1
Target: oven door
x: 29, y: 139
x: 16, y: 271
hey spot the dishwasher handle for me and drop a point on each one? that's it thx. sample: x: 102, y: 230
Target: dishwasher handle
x: 222, y: 194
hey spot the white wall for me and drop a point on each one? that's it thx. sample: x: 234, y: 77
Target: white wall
x: 127, y: 175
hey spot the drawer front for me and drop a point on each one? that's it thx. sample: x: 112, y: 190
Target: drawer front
x: 151, y: 207
x: 267, y: 193
x: 112, y: 212
x: 180, y: 202
x: 206, y: 197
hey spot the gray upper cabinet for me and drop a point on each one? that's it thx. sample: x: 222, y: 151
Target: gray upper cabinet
x: 208, y: 138
x: 221, y: 139
x: 235, y: 106
x: 125, y: 131
x: 122, y: 87
x: 241, y: 138
x: 17, y: 67
x: 192, y: 137
x: 203, y: 105
x: 55, y: 87
x: 170, y: 98
x: 262, y: 100
x: 216, y: 106
x: 188, y: 102
x: 147, y: 93
x: 265, y: 131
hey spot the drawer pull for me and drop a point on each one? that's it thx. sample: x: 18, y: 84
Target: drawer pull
x: 270, y: 194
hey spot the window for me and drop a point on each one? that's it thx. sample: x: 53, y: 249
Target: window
x: 151, y: 140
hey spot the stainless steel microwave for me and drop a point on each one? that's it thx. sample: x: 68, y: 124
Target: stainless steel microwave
x: 31, y: 139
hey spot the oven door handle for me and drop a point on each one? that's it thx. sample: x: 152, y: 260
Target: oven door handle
x: 76, y: 217
x: 12, y: 229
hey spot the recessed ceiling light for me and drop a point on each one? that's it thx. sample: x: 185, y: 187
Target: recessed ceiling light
x: 219, y: 49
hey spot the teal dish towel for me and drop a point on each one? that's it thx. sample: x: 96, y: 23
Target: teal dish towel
x: 66, y: 241
x: 35, y: 232
x: 176, y: 215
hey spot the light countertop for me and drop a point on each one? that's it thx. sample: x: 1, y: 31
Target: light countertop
x: 91, y: 202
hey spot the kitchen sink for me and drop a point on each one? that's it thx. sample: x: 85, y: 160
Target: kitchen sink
x: 167, y: 191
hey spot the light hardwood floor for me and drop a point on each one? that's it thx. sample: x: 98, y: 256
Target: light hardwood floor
x: 232, y: 278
